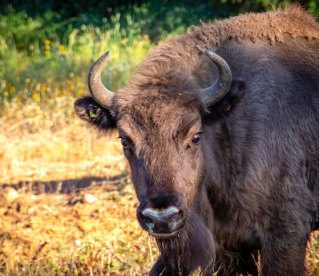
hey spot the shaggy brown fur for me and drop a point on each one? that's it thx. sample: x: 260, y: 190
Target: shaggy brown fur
x: 183, y: 55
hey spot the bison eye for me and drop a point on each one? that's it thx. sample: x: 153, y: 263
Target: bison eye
x: 123, y: 143
x: 196, y: 139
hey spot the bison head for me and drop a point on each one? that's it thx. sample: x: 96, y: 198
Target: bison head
x: 161, y: 122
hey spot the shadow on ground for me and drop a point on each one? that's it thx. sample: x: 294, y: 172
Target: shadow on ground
x: 71, y: 185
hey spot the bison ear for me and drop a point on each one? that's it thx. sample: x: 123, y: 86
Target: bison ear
x: 236, y: 91
x: 90, y: 111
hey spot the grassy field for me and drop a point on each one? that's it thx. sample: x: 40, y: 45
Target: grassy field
x: 74, y: 210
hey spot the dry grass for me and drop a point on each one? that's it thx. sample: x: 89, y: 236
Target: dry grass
x: 38, y: 145
x: 50, y: 233
x: 68, y: 153
x: 61, y: 233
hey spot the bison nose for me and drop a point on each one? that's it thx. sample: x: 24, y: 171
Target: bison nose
x: 162, y: 222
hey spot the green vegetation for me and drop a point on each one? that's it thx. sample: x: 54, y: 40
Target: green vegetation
x: 44, y: 56
x: 48, y: 69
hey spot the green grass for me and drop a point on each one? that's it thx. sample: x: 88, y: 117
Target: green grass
x: 47, y: 56
x: 44, y: 58
x: 55, y: 70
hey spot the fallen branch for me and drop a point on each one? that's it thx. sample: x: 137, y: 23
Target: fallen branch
x: 39, y: 250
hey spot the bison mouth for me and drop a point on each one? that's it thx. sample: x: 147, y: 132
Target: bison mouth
x: 165, y: 235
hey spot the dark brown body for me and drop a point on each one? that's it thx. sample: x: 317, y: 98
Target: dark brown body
x: 252, y: 182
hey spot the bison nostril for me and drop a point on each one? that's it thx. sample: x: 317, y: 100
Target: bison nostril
x: 176, y: 217
x: 145, y: 218
x: 171, y: 214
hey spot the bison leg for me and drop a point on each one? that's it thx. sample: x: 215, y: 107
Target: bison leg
x: 283, y: 252
x: 232, y: 264
x: 158, y: 268
x: 161, y: 269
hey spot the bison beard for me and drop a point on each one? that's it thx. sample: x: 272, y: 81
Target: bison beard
x: 194, y: 247
x: 227, y: 174
x: 191, y: 248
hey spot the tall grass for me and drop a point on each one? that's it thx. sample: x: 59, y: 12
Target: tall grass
x: 56, y: 73
x: 46, y: 57
x: 40, y: 57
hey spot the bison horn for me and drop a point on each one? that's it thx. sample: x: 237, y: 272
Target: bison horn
x: 220, y: 88
x: 99, y: 92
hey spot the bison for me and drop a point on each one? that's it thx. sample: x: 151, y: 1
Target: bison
x: 220, y: 127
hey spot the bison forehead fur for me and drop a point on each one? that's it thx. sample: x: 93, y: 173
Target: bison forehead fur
x: 220, y: 185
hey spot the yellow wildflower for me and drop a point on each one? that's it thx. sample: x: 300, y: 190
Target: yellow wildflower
x: 56, y: 43
x: 46, y: 53
x: 63, y: 52
x: 71, y: 75
x: 124, y: 41
x: 5, y: 93
x: 61, y: 47
x: 27, y: 80
x: 35, y: 95
x: 12, y: 88
x: 47, y: 42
